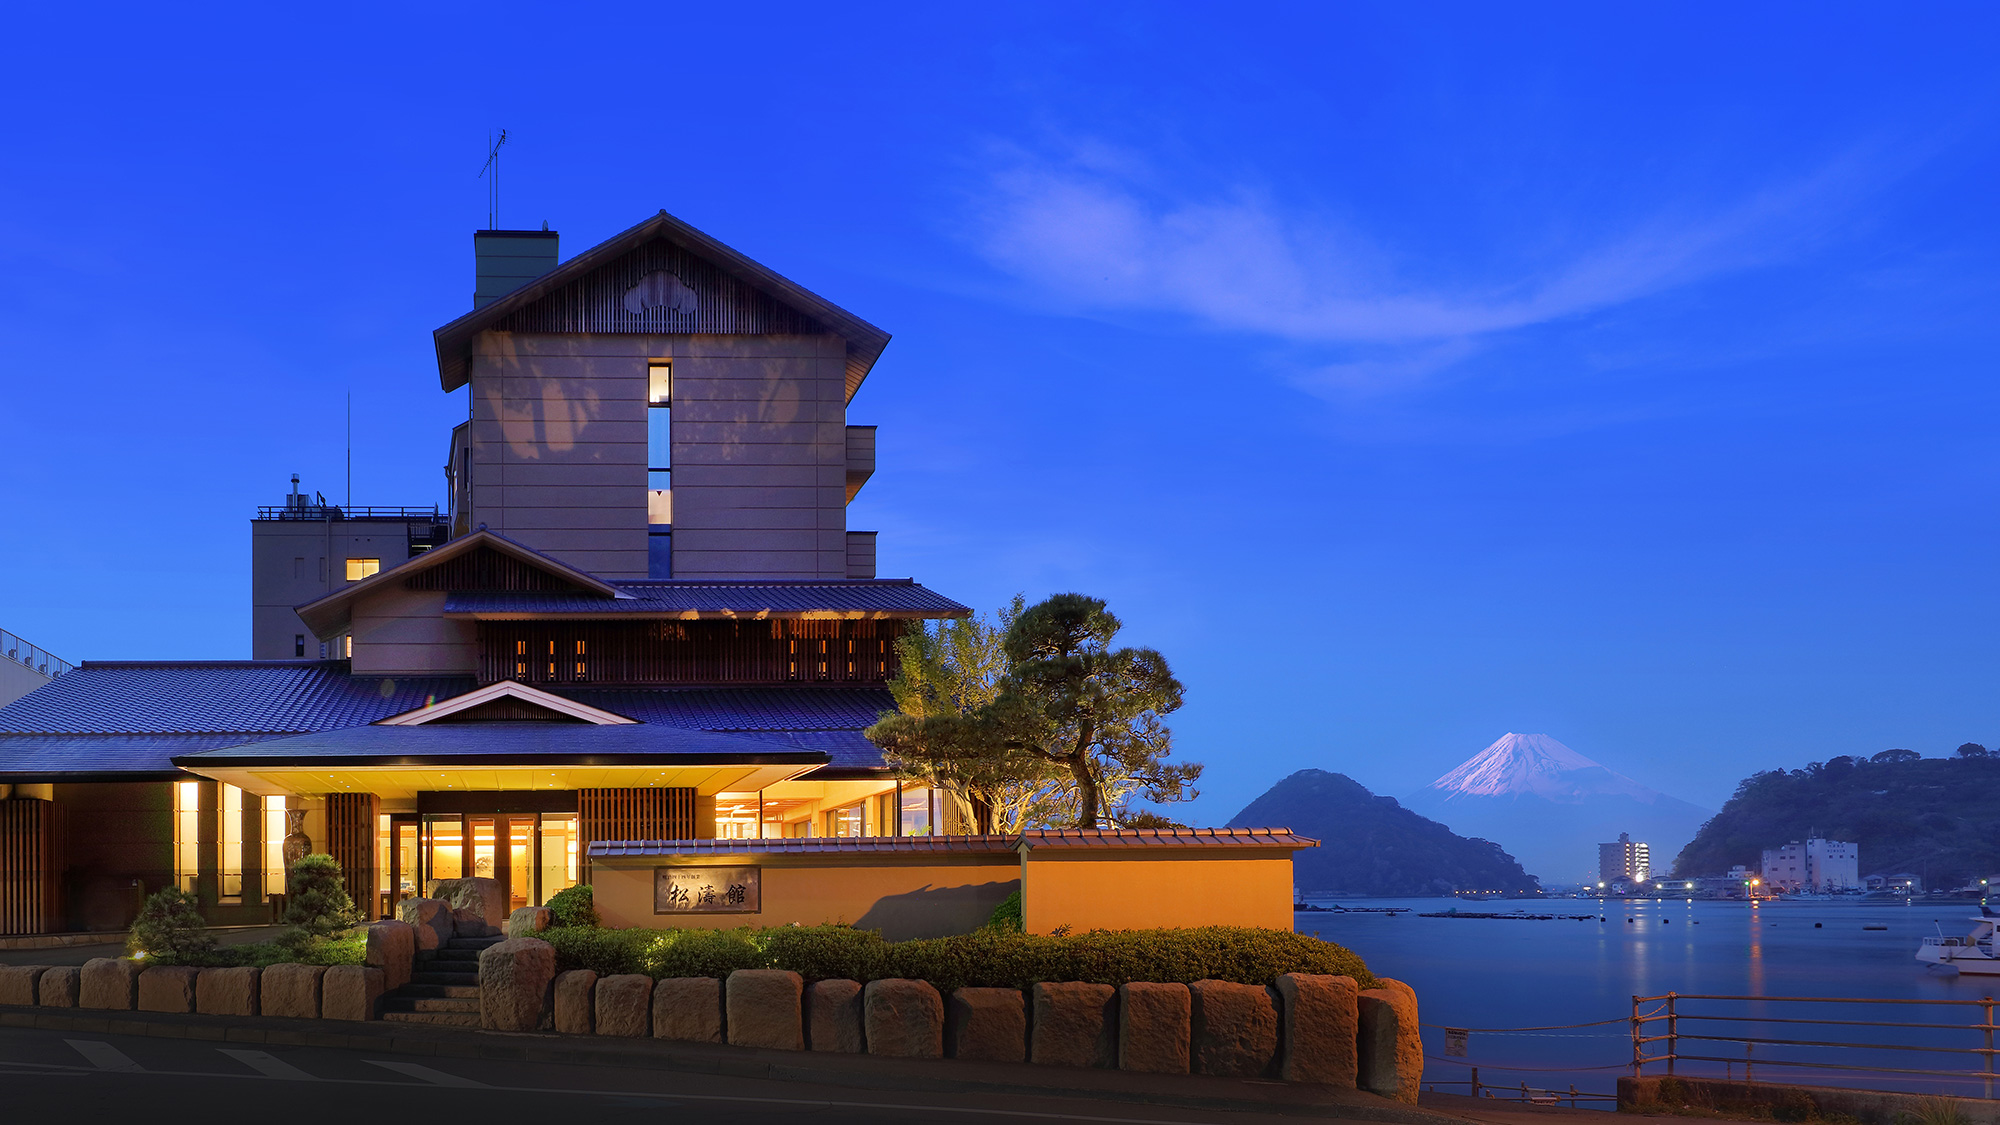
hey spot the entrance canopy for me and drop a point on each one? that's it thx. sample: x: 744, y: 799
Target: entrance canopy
x: 402, y: 761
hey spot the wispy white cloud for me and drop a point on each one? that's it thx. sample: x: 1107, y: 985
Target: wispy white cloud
x: 1093, y: 230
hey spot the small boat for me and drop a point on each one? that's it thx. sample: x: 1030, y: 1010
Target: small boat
x: 1972, y: 953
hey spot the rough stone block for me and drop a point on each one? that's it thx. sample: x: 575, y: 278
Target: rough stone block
x: 529, y: 921
x: 516, y: 977
x: 1154, y: 1027
x: 1075, y: 1025
x: 990, y: 1024
x: 903, y: 1019
x: 477, y: 905
x: 167, y: 988
x: 624, y: 1004
x: 766, y: 1009
x: 1322, y: 1025
x: 430, y: 918
x: 17, y: 983
x: 833, y: 1017
x: 392, y: 948
x: 688, y: 1009
x: 576, y: 1000
x: 1391, y: 1051
x: 109, y: 982
x: 56, y: 988
x: 353, y: 992
x: 227, y: 992
x: 1235, y: 1029
x: 292, y: 991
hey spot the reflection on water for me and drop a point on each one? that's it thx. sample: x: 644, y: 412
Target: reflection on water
x: 1480, y: 973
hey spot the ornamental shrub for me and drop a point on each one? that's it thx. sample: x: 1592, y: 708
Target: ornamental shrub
x: 1007, y: 916
x: 170, y: 929
x: 987, y: 958
x: 318, y: 905
x: 573, y: 906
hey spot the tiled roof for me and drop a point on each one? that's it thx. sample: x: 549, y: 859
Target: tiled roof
x: 216, y: 697
x: 786, y: 708
x: 60, y: 755
x: 1066, y: 839
x: 847, y: 749
x: 464, y: 743
x: 813, y: 845
x: 874, y: 597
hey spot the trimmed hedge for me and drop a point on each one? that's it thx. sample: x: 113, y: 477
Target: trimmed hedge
x: 983, y: 959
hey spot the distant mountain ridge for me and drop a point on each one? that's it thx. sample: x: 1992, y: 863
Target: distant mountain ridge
x: 1552, y: 806
x: 1374, y: 846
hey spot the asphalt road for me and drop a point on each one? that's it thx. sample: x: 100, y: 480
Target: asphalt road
x: 65, y: 1076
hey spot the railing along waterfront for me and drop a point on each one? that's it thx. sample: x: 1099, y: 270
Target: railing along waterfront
x: 1659, y: 1037
x: 21, y: 652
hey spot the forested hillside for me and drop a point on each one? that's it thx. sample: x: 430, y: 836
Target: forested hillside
x: 1937, y: 817
x: 1373, y: 846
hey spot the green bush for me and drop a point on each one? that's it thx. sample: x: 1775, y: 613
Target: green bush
x: 1007, y: 916
x: 170, y: 929
x: 986, y: 958
x: 293, y: 949
x: 318, y: 904
x: 573, y: 906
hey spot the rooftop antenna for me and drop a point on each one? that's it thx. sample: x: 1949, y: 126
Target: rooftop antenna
x: 493, y: 184
x: 350, y: 450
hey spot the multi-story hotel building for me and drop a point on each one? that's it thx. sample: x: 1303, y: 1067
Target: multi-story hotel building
x: 641, y: 616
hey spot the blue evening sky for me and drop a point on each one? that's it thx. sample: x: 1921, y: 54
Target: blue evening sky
x: 1408, y: 374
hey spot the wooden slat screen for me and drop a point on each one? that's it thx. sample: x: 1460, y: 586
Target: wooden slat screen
x: 689, y: 652
x: 350, y: 831
x: 31, y: 866
x: 485, y: 569
x: 723, y: 304
x: 632, y: 814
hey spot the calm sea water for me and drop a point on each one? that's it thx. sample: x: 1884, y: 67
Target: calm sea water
x: 1476, y: 973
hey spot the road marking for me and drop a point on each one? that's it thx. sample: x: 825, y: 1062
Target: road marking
x: 104, y: 1056
x: 268, y: 1065
x: 426, y: 1074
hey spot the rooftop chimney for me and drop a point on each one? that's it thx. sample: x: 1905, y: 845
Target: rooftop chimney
x: 509, y: 259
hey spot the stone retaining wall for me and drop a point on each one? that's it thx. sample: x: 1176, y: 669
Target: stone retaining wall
x: 1306, y: 1028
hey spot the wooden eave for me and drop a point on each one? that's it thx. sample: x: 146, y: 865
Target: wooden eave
x: 328, y: 616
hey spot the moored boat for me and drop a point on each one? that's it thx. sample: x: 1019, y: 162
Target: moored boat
x: 1972, y: 953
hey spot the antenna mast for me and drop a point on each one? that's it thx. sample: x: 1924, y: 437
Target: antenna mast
x: 493, y: 185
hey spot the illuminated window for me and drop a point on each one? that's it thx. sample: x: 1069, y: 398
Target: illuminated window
x: 187, y: 834
x: 275, y: 828
x: 357, y: 569
x: 347, y: 646
x: 846, y: 822
x: 582, y: 665
x: 520, y: 660
x: 659, y: 467
x: 230, y: 834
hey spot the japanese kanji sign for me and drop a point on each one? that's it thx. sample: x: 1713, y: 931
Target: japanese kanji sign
x: 707, y: 890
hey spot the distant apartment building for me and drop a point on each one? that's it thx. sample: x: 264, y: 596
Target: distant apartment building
x: 1624, y: 861
x: 1816, y: 864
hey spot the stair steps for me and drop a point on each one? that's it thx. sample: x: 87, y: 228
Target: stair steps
x: 444, y: 989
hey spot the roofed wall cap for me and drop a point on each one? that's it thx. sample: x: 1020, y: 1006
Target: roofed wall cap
x: 1052, y: 838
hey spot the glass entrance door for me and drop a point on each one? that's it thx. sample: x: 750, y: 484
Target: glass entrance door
x: 530, y: 855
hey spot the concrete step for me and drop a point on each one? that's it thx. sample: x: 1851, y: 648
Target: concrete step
x: 461, y: 991
x: 456, y: 956
x: 444, y: 1019
x: 474, y: 943
x: 465, y: 980
x: 430, y: 1004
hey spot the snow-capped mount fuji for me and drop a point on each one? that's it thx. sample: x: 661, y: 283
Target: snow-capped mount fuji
x: 1550, y: 807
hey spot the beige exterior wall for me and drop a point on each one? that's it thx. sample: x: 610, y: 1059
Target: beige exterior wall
x: 1130, y: 889
x: 905, y: 897
x: 293, y: 562
x: 558, y: 454
x: 400, y: 632
x: 17, y: 680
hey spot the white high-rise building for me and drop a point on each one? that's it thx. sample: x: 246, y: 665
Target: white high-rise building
x: 1816, y: 864
x: 1624, y: 861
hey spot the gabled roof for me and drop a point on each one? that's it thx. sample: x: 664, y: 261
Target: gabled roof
x: 694, y: 600
x: 329, y: 615
x: 242, y: 699
x: 543, y: 702
x: 864, y: 341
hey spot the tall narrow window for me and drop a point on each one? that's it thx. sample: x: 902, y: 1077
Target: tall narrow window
x: 187, y: 834
x: 659, y: 469
x: 298, y: 644
x: 230, y: 834
x: 275, y: 827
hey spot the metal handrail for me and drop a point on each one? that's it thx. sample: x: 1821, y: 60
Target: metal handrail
x: 33, y: 656
x: 351, y: 512
x: 1671, y: 1015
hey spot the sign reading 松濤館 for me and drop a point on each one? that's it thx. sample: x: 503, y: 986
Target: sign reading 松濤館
x: 707, y: 890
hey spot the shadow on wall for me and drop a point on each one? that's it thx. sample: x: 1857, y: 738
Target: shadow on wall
x: 936, y: 911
